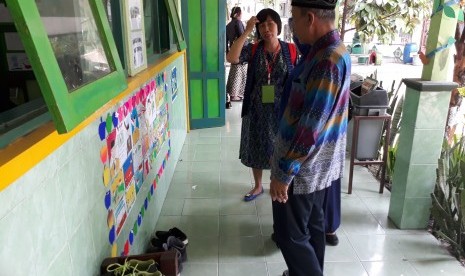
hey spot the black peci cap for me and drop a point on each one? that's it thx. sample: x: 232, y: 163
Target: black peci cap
x: 317, y: 4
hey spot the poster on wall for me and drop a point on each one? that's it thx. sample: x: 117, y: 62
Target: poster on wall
x: 132, y: 138
x: 134, y: 36
x: 174, y: 84
x: 135, y: 11
x: 137, y: 49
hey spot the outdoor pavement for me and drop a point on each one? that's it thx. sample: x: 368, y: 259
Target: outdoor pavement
x: 388, y: 71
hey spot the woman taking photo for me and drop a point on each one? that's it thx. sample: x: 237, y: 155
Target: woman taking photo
x: 270, y: 61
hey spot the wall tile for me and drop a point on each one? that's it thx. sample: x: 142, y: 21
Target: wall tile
x: 432, y: 110
x: 416, y: 213
x: 396, y: 209
x: 16, y: 239
x: 7, y: 200
x: 426, y: 146
x: 47, y: 217
x: 404, y: 148
x: 421, y: 180
x: 74, y: 195
x: 82, y: 251
x: 100, y: 231
x: 410, y: 108
x: 61, y: 265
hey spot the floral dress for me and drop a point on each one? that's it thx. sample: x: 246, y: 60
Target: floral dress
x: 260, y: 124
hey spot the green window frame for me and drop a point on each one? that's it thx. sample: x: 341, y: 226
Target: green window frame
x: 162, y: 29
x: 67, y: 109
x: 176, y: 23
x: 113, y: 11
x: 158, y: 32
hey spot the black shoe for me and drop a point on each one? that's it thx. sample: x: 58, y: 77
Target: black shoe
x: 286, y: 272
x: 228, y: 105
x: 163, y: 235
x: 178, y: 245
x: 332, y: 239
x: 156, y: 245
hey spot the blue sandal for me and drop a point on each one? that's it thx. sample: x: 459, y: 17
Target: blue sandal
x: 250, y: 197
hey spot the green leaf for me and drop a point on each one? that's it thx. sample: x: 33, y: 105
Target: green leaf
x: 460, y: 17
x: 449, y: 12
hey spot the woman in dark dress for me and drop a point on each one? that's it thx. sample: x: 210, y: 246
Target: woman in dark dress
x: 237, y: 73
x: 269, y: 65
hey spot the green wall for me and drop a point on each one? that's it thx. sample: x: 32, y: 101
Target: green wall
x: 53, y: 220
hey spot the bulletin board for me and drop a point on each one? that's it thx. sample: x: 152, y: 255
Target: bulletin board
x: 131, y: 139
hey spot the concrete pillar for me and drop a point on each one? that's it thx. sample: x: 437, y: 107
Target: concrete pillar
x: 422, y: 129
x: 422, y: 134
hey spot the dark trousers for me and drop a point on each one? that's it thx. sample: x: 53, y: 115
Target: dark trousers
x: 300, y: 232
x: 332, y: 206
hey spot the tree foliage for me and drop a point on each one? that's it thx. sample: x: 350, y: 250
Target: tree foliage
x: 385, y: 18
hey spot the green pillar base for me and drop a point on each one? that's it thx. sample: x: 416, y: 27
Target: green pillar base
x: 422, y: 133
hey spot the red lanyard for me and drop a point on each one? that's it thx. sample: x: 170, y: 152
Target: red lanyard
x: 269, y: 66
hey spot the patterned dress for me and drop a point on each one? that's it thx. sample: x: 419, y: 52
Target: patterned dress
x: 236, y: 82
x: 238, y: 72
x: 260, y: 124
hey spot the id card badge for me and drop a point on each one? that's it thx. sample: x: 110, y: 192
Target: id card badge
x: 268, y: 94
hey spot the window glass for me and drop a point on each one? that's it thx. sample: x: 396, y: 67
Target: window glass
x: 158, y: 30
x: 75, y: 40
x: 164, y: 26
x: 149, y: 26
x: 107, y: 5
x: 21, y: 99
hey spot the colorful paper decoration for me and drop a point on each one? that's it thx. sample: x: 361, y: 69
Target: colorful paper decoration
x: 135, y: 228
x: 109, y: 123
x: 112, y: 235
x: 131, y: 237
x: 114, y: 119
x: 106, y: 175
x: 107, y: 200
x: 110, y: 219
x: 114, y: 250
x: 133, y: 134
x: 127, y: 247
x: 101, y: 129
x: 139, y: 219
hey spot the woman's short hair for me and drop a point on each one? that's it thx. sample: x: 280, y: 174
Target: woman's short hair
x: 235, y: 11
x: 264, y: 14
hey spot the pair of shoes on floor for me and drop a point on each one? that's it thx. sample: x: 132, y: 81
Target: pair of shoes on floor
x: 157, y: 245
x: 171, y: 243
x: 250, y: 196
x: 332, y: 239
x: 134, y: 267
x: 228, y: 105
x: 163, y: 235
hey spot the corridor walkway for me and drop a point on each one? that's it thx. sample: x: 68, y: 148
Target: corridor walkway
x: 229, y: 237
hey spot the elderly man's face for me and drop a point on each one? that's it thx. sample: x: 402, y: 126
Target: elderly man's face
x: 297, y: 22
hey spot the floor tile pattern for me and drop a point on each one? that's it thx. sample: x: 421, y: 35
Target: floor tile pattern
x: 228, y: 236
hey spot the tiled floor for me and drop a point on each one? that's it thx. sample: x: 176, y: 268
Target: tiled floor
x: 228, y: 236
